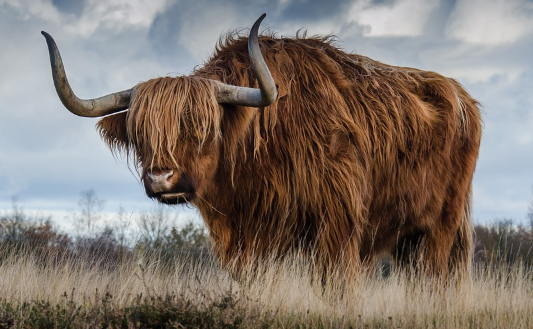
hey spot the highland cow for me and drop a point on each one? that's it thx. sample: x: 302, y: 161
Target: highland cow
x: 288, y: 144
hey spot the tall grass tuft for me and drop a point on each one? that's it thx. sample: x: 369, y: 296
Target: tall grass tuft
x: 145, y: 291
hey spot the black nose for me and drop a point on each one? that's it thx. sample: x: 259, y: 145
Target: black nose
x: 160, y: 181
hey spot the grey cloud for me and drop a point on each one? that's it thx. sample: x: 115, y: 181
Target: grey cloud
x: 382, y: 2
x: 308, y: 11
x: 164, y: 33
x: 438, y: 19
x: 70, y: 6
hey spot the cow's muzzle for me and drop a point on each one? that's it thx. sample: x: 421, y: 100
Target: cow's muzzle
x: 160, y: 182
x: 168, y: 186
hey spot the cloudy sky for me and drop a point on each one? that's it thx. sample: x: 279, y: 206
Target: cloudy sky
x: 48, y: 156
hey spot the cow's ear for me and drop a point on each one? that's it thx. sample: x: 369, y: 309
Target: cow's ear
x: 113, y: 131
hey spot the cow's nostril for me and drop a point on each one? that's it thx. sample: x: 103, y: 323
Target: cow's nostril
x: 161, y: 181
x: 168, y: 175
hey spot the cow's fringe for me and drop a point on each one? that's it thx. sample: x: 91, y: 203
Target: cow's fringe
x: 168, y: 115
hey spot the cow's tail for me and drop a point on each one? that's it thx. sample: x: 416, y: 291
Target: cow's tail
x: 462, y: 252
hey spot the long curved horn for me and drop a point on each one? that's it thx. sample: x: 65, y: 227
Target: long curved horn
x: 83, y: 107
x: 267, y: 92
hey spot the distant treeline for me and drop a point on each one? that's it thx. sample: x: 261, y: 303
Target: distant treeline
x: 502, y: 241
x: 104, y: 240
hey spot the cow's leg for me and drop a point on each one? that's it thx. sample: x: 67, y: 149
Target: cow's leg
x: 441, y: 241
x: 461, y: 256
x: 425, y: 252
x: 224, y: 241
x: 460, y: 262
x: 338, y: 251
x: 406, y: 253
x: 453, y: 232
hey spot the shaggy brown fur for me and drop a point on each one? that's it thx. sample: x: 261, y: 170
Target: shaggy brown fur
x: 354, y: 159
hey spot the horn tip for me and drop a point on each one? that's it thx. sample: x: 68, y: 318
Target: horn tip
x: 46, y: 36
x: 259, y: 20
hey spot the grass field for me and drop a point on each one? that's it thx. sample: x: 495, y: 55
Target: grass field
x: 145, y: 292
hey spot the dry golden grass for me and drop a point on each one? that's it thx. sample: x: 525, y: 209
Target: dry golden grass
x: 280, y: 295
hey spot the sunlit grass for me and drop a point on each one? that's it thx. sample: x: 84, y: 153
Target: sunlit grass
x: 280, y: 294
